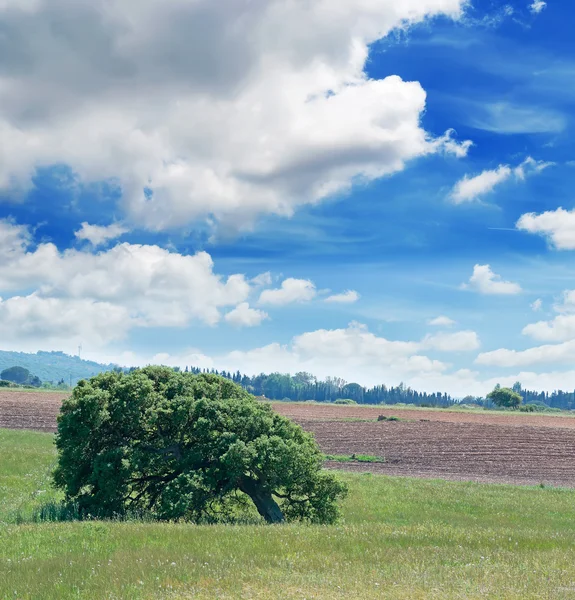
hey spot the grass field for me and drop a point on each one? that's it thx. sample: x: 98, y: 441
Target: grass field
x: 399, y: 538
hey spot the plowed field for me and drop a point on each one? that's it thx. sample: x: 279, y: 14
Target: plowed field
x: 30, y: 410
x: 500, y: 448
x: 326, y: 412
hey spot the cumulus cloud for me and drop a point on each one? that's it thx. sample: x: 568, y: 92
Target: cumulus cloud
x: 557, y: 226
x: 559, y: 329
x: 547, y: 354
x: 291, y: 291
x: 354, y: 353
x: 348, y: 297
x: 485, y: 281
x: 469, y: 189
x: 462, y: 341
x: 99, y: 235
x: 262, y: 280
x: 244, y: 316
x: 537, y: 305
x: 146, y: 93
x: 537, y: 6
x: 60, y: 322
x: 441, y: 321
x: 124, y: 287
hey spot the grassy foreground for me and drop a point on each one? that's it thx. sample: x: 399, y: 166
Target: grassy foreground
x: 399, y: 538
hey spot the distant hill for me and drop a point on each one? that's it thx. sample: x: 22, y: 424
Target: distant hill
x: 53, y: 366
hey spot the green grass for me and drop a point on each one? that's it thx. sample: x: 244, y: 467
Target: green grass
x: 399, y: 538
x: 364, y: 458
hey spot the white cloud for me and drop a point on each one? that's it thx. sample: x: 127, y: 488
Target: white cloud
x: 99, y: 235
x: 537, y: 305
x: 244, y: 316
x: 291, y: 290
x: 461, y: 341
x: 441, y: 321
x: 550, y: 353
x: 507, y: 118
x: 485, y: 281
x: 469, y: 189
x: 262, y: 280
x: 561, y: 328
x: 146, y: 92
x: 348, y: 297
x: 353, y: 353
x: 127, y: 286
x: 558, y: 226
x: 567, y: 304
x: 59, y: 322
x: 537, y: 6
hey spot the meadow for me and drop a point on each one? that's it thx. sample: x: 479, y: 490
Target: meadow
x: 398, y: 538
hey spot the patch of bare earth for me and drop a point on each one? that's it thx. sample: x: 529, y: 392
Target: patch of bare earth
x: 30, y: 410
x: 497, y: 448
x: 517, y: 449
x: 334, y: 412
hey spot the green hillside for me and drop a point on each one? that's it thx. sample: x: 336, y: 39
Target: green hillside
x: 53, y: 366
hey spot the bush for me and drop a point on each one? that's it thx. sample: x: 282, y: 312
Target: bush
x: 176, y: 446
x: 347, y: 401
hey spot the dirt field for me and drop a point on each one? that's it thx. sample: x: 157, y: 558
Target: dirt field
x: 30, y: 410
x: 324, y: 412
x: 498, y: 448
x: 519, y: 449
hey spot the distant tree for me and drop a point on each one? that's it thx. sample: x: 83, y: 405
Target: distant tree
x: 34, y: 381
x: 18, y: 375
x: 353, y: 391
x: 505, y: 397
x: 183, y: 446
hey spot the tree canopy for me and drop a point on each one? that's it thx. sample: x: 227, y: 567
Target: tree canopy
x: 186, y: 446
x: 21, y: 376
x: 505, y: 397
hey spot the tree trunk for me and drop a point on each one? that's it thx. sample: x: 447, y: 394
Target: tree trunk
x: 262, y: 498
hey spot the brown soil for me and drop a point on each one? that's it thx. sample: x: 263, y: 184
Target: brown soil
x: 324, y: 412
x: 30, y: 410
x: 519, y: 449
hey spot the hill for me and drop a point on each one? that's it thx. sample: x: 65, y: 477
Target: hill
x: 53, y: 366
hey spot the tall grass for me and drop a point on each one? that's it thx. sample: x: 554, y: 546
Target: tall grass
x: 402, y: 539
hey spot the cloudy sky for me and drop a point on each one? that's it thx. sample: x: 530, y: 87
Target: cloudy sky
x: 370, y: 189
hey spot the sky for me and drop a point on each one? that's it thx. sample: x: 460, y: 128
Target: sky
x: 368, y: 189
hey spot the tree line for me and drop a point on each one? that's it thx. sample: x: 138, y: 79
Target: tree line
x: 305, y: 386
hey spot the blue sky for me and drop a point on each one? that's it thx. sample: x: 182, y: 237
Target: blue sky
x: 298, y: 156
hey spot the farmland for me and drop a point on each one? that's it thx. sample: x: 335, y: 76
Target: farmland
x: 477, y: 446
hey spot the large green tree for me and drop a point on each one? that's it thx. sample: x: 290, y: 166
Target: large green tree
x: 505, y: 397
x: 184, y: 446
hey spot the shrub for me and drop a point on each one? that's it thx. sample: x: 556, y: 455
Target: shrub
x: 182, y: 446
x: 344, y: 401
